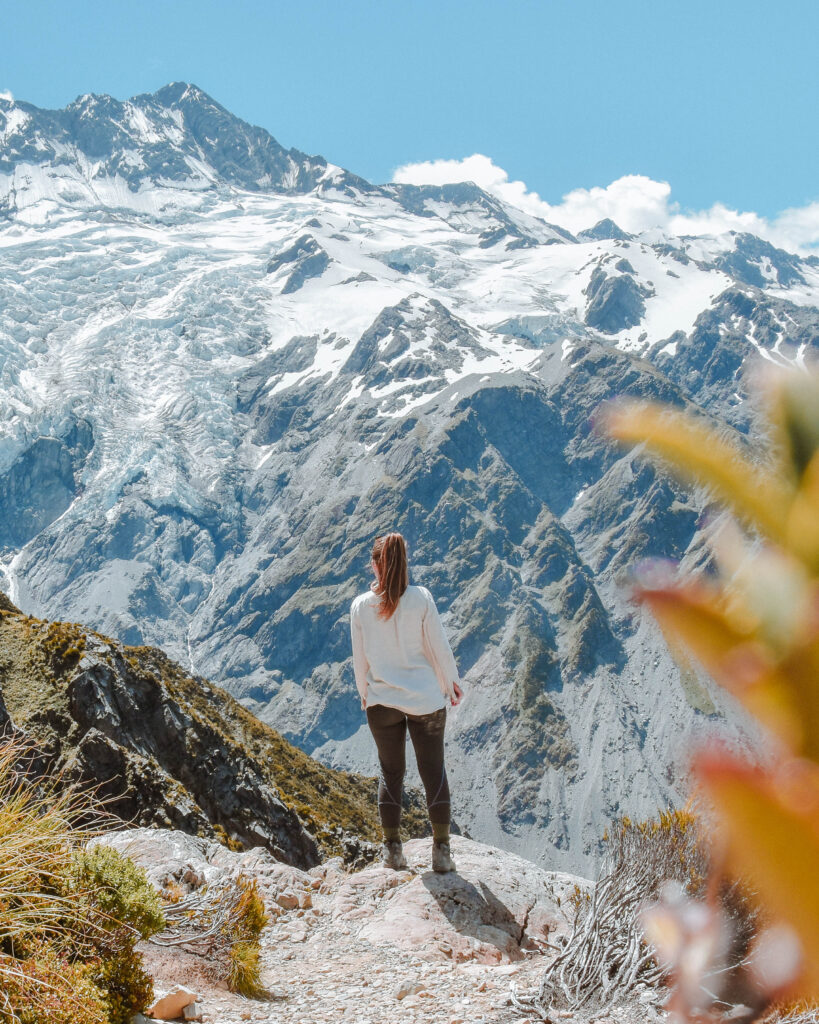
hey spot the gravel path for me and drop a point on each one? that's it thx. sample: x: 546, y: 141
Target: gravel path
x: 318, y: 970
x: 377, y: 946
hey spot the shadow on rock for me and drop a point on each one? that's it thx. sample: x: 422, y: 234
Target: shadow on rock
x: 476, y: 911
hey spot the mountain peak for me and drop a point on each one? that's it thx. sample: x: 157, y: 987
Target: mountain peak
x: 178, y: 92
x: 604, y: 229
x: 168, y: 95
x: 178, y: 144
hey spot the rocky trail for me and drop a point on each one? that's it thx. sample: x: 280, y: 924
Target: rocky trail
x: 373, y: 946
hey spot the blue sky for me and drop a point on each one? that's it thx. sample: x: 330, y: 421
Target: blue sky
x: 717, y: 98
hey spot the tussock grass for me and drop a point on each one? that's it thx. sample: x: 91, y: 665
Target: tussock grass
x: 39, y: 835
x: 70, y: 917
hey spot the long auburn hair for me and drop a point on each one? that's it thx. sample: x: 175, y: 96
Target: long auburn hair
x: 390, y: 561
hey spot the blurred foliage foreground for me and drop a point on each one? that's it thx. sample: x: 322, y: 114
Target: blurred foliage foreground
x: 755, y: 629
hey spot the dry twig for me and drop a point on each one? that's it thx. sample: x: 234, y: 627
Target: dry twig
x: 605, y: 956
x: 200, y: 923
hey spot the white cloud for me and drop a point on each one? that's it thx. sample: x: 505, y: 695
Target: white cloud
x: 797, y: 227
x: 635, y: 202
x: 477, y: 168
x: 6, y: 95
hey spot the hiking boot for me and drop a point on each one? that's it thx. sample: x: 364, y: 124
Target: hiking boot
x: 392, y: 855
x: 441, y: 858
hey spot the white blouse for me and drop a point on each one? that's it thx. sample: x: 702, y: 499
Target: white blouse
x: 405, y: 661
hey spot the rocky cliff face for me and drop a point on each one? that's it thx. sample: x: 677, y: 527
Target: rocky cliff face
x: 213, y: 400
x: 166, y: 749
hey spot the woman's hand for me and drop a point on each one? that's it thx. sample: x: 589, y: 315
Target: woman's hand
x: 456, y: 700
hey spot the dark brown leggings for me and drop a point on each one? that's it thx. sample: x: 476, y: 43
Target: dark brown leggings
x: 389, y: 728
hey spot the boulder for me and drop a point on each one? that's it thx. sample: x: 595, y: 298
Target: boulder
x: 171, y: 1005
x: 493, y: 906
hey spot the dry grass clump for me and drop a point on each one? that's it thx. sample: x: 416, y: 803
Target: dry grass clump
x: 248, y: 920
x: 37, y: 840
x: 221, y: 924
x: 70, y: 917
x: 65, y: 643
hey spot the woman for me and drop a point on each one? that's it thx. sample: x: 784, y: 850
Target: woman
x: 405, y: 674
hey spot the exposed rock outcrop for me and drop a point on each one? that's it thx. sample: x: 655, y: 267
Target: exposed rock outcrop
x: 164, y: 748
x: 615, y: 301
x: 42, y: 482
x: 305, y: 258
x: 490, y: 909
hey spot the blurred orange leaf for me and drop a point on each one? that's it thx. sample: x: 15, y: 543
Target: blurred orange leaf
x: 734, y: 657
x: 771, y: 826
x: 803, y: 518
x: 801, y: 670
x: 793, y: 411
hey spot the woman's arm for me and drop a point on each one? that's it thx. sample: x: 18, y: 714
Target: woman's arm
x: 360, y: 664
x: 440, y: 653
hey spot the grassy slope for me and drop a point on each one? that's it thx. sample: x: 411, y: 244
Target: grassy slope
x: 37, y: 658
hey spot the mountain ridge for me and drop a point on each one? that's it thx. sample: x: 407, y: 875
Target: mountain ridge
x: 169, y: 138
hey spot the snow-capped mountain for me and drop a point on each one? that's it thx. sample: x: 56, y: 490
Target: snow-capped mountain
x: 226, y: 366
x: 153, y: 154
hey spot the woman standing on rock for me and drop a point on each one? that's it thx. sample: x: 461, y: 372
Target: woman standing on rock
x: 405, y: 674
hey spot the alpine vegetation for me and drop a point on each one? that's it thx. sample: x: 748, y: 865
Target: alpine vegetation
x: 70, y: 917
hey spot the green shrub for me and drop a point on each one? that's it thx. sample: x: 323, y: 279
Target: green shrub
x: 46, y: 988
x: 127, y: 988
x: 124, y: 908
x: 119, y: 888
